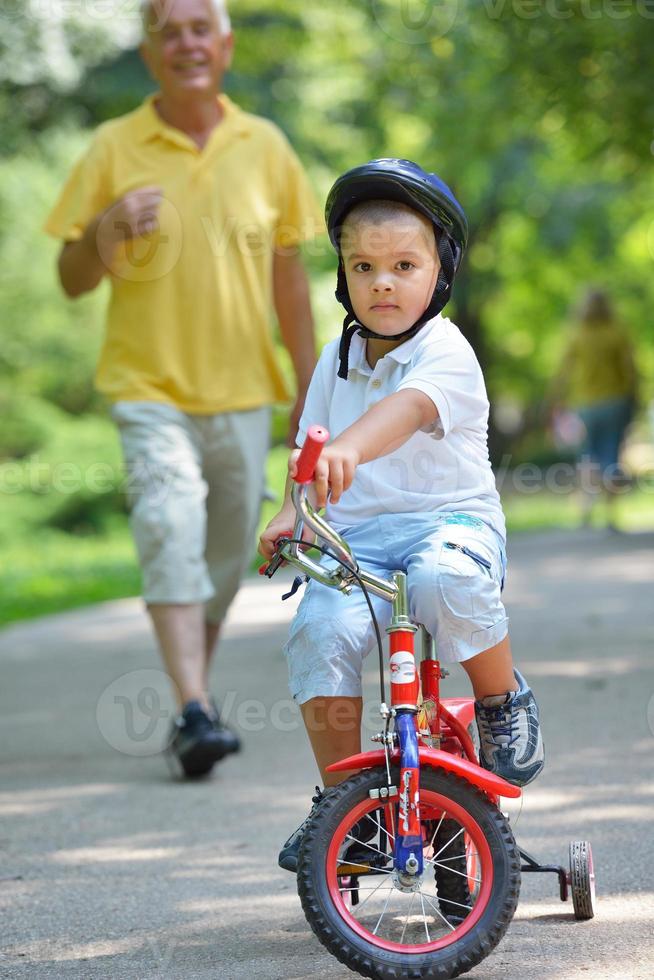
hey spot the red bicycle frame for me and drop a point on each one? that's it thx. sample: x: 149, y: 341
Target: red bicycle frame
x: 450, y: 746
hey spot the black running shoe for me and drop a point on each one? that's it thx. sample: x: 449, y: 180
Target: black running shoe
x: 231, y: 741
x: 362, y: 832
x: 196, y: 742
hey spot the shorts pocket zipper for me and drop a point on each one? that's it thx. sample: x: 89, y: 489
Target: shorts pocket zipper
x: 471, y: 554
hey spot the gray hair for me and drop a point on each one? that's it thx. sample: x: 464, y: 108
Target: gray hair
x: 219, y: 8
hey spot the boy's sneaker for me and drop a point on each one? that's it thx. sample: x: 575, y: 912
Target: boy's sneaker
x: 197, y: 742
x: 509, y: 733
x: 289, y: 853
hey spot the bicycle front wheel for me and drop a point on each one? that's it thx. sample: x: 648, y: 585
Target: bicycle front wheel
x: 391, y: 926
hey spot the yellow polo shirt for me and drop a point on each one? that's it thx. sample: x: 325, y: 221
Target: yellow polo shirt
x: 189, y: 319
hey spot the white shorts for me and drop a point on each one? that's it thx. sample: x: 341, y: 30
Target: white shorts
x: 194, y: 488
x: 454, y: 594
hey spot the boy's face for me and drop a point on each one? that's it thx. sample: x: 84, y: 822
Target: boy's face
x: 391, y: 270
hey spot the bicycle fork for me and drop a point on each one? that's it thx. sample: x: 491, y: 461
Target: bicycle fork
x: 405, y: 687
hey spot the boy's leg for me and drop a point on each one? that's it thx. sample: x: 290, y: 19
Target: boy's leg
x: 491, y: 672
x: 455, y: 581
x: 329, y: 637
x: 334, y: 729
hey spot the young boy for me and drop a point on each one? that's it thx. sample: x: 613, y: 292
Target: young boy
x: 406, y: 478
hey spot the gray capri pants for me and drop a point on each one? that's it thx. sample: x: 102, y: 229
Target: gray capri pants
x: 194, y: 489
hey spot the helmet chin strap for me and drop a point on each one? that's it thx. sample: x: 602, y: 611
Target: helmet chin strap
x: 352, y: 325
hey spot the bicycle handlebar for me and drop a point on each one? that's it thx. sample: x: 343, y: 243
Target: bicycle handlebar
x: 349, y: 573
x: 316, y: 438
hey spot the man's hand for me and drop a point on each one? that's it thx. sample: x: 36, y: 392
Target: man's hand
x: 83, y: 263
x: 131, y: 216
x: 334, y: 471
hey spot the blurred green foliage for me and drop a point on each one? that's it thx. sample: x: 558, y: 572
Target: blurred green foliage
x: 539, y: 114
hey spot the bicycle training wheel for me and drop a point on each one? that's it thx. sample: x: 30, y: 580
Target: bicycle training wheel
x: 582, y: 879
x: 398, y: 926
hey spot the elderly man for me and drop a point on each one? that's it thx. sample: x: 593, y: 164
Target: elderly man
x: 194, y: 210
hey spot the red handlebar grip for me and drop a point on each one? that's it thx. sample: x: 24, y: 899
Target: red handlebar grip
x: 316, y: 438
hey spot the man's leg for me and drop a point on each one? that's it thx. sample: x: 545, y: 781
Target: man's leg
x: 235, y: 447
x: 211, y: 634
x: 180, y: 631
x: 168, y: 518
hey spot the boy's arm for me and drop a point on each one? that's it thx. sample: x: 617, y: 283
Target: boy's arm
x: 381, y: 429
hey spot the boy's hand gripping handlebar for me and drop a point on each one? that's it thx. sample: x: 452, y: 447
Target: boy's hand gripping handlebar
x: 316, y: 438
x: 340, y: 577
x: 305, y: 466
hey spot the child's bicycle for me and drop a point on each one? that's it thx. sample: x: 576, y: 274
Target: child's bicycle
x: 409, y: 869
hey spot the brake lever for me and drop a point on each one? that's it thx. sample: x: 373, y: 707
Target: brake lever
x: 270, y: 567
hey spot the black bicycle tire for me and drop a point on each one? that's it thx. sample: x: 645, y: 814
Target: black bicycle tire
x: 378, y: 964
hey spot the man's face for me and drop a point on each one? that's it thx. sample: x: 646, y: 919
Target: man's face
x: 184, y: 48
x: 391, y: 270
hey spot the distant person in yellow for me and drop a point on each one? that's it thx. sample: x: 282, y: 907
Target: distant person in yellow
x: 194, y: 210
x: 597, y: 381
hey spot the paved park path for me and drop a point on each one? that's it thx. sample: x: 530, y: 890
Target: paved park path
x: 109, y: 868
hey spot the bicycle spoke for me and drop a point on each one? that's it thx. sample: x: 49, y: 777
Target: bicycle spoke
x: 424, y: 916
x: 383, y: 911
x: 455, y: 857
x: 382, y: 830
x: 453, y: 871
x: 447, y: 844
x: 363, y: 844
x: 376, y: 888
x: 450, y: 901
x: 438, y: 912
x: 377, y: 871
x: 406, y: 921
x: 357, y: 889
x: 438, y: 825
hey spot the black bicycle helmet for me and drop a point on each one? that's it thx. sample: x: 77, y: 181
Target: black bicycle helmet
x: 406, y: 182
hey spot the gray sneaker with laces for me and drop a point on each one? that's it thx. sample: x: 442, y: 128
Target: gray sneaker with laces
x: 509, y: 733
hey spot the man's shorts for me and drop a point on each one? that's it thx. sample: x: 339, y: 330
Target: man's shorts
x: 454, y: 593
x: 194, y: 488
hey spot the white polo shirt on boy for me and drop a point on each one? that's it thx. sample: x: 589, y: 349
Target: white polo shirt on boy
x: 443, y: 468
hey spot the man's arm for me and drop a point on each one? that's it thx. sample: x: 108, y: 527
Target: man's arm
x: 293, y: 308
x: 379, y: 431
x: 82, y: 264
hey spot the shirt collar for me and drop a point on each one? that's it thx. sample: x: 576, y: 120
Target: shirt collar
x: 401, y: 354
x: 151, y: 125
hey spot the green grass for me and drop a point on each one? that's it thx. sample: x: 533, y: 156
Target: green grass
x: 53, y: 571
x: 47, y: 570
